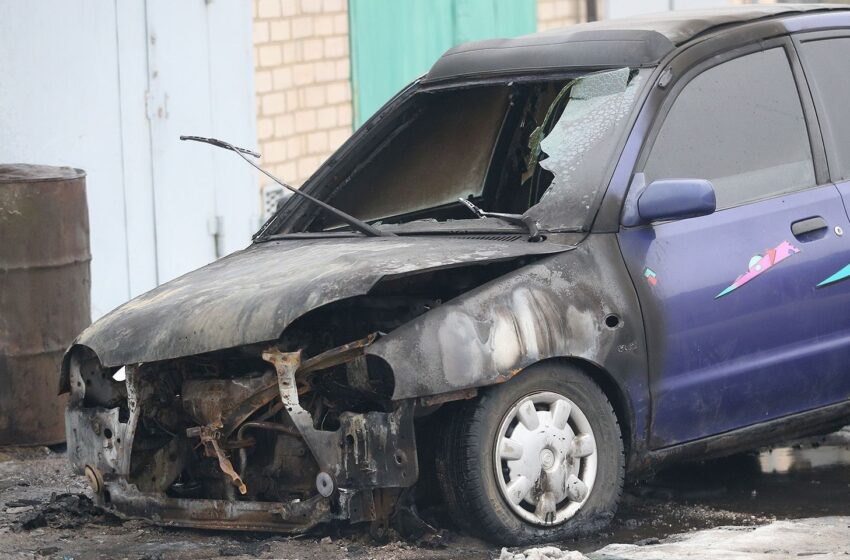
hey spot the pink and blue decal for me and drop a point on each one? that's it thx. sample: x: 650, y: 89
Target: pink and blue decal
x: 842, y: 274
x: 650, y: 276
x: 760, y: 263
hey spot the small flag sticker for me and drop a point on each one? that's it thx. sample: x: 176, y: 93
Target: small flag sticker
x: 650, y: 276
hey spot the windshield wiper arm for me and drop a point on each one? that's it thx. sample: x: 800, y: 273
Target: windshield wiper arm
x: 526, y: 222
x: 357, y: 224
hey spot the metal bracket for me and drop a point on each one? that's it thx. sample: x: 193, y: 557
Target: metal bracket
x: 209, y: 437
x: 369, y: 450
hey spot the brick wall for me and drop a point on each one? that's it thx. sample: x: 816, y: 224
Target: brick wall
x: 302, y: 81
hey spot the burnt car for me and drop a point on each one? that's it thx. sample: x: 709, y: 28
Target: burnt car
x: 551, y: 263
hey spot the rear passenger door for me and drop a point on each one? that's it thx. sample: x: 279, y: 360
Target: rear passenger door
x: 738, y: 331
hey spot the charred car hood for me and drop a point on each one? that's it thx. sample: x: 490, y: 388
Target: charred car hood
x: 252, y: 295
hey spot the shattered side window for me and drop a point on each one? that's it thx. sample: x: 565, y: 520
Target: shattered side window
x: 580, y: 145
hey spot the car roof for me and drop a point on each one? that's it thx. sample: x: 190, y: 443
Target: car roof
x: 637, y: 41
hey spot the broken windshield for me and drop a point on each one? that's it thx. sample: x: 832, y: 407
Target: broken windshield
x: 536, y: 148
x: 577, y: 150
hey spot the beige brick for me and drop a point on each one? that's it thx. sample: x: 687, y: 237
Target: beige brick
x: 303, y: 74
x: 565, y: 9
x: 326, y: 117
x: 261, y: 32
x: 288, y: 172
x: 312, y: 96
x: 344, y: 114
x: 282, y: 78
x: 341, y: 24
x: 284, y: 125
x: 338, y: 92
x: 274, y: 151
x: 268, y: 8
x: 317, y: 142
x: 304, y: 170
x: 292, y: 102
x: 307, y: 166
x: 288, y: 8
x: 263, y: 81
x: 323, y: 25
x: 552, y: 14
x: 274, y: 103
x: 280, y: 30
x: 318, y: 161
x: 343, y: 69
x: 312, y: 49
x: 336, y: 46
x: 311, y: 6
x: 265, y: 128
x: 302, y: 27
x: 295, y: 146
x: 290, y: 52
x: 305, y: 120
x: 333, y: 5
x: 337, y: 137
x: 326, y: 71
x: 270, y: 56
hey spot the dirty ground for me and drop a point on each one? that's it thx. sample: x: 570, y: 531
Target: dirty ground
x: 788, y: 501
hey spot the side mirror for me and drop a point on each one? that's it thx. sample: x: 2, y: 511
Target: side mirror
x: 673, y: 199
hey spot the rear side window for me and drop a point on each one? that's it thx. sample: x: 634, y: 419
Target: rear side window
x: 828, y: 71
x: 740, y: 125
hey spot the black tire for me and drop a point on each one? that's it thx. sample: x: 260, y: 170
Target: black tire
x: 467, y: 474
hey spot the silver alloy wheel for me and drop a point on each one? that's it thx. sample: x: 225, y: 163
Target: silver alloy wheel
x: 545, y: 458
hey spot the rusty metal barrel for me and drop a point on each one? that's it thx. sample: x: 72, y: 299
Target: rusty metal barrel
x: 45, y: 287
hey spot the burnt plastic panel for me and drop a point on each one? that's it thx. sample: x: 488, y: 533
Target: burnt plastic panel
x: 580, y: 304
x: 252, y: 295
x: 570, y: 48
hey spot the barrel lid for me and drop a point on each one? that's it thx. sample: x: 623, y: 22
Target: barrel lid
x: 28, y: 173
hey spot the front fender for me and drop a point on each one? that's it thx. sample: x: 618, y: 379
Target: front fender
x: 556, y: 307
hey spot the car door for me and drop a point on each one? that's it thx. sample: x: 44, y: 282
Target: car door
x: 738, y: 330
x: 826, y: 62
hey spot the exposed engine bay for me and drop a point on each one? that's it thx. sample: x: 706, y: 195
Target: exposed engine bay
x: 270, y: 438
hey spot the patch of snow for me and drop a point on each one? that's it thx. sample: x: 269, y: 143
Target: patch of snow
x: 542, y: 553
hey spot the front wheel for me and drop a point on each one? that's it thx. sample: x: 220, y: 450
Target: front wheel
x: 539, y: 458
